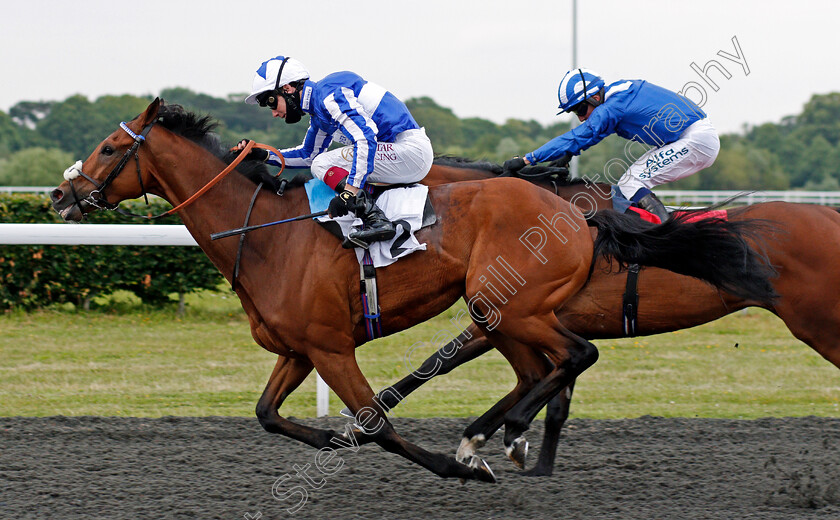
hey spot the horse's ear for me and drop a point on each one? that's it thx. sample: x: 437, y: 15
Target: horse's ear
x: 151, y: 112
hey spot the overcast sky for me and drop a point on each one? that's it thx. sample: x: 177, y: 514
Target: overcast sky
x: 492, y: 59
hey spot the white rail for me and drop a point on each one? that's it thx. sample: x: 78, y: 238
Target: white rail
x: 96, y: 234
x: 706, y: 198
x: 26, y: 189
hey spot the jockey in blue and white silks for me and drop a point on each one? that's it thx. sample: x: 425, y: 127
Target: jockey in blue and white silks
x: 384, y: 142
x: 682, y: 139
x: 345, y: 108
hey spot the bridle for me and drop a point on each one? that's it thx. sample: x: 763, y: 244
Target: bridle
x: 96, y: 198
x: 98, y: 201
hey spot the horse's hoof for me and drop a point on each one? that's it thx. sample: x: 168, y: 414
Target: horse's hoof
x: 536, y: 471
x: 518, y: 452
x: 468, y: 447
x: 482, y: 470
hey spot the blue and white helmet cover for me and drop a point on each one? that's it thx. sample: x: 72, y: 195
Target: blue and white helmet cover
x: 266, y: 76
x: 570, y: 92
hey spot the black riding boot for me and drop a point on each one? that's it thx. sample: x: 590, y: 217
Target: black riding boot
x: 377, y: 226
x: 651, y: 203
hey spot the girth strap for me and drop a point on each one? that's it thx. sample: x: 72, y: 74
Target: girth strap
x: 370, y: 297
x: 630, y: 302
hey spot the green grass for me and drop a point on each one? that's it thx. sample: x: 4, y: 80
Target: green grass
x: 126, y: 360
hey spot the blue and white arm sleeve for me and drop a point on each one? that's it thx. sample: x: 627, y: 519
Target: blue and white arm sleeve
x: 315, y: 142
x: 357, y: 125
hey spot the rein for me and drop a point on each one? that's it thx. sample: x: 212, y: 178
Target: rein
x: 99, y: 201
x: 223, y: 173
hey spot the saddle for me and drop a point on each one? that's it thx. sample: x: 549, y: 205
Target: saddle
x: 429, y: 216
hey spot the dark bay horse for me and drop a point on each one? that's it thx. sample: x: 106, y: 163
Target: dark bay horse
x: 299, y: 287
x: 808, y: 302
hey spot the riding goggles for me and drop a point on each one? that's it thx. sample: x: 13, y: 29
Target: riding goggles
x: 268, y: 99
x: 581, y: 108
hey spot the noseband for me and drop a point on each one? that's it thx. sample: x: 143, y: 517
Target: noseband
x: 96, y: 198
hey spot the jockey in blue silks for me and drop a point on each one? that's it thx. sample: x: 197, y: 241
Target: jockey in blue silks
x: 683, y: 140
x: 384, y: 143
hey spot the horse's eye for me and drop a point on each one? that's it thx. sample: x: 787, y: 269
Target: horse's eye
x: 107, y: 150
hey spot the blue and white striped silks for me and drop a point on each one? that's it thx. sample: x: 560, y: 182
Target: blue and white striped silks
x: 345, y: 108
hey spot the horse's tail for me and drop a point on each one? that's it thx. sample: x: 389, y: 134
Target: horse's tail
x: 712, y: 249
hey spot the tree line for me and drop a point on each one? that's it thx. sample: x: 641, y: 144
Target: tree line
x: 39, y: 139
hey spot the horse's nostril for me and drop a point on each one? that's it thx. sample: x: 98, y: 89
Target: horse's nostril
x: 56, y: 195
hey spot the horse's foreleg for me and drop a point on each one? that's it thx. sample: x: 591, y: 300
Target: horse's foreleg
x: 287, y: 375
x: 342, y: 374
x: 556, y: 414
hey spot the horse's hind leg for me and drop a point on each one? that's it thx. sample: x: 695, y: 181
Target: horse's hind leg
x: 571, y: 356
x: 530, y: 367
x: 815, y: 323
x: 341, y: 372
x: 556, y: 414
x: 467, y: 346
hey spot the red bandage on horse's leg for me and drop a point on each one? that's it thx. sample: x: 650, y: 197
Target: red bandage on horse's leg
x: 335, y: 175
x: 645, y: 215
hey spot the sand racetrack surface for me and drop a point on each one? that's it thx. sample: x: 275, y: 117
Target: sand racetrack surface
x: 219, y: 467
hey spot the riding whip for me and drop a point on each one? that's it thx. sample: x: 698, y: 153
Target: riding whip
x: 239, y: 231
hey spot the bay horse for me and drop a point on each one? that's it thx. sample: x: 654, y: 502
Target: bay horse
x: 299, y: 287
x: 808, y: 302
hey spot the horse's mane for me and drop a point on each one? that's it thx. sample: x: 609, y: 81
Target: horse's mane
x: 200, y: 129
x: 551, y: 173
x: 470, y: 164
x: 196, y: 128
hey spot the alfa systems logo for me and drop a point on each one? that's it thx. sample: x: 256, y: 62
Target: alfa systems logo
x: 659, y: 160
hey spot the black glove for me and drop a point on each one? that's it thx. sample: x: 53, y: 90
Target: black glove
x: 563, y: 161
x: 342, y: 204
x: 256, y: 154
x: 515, y: 164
